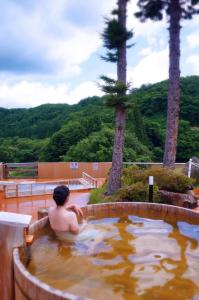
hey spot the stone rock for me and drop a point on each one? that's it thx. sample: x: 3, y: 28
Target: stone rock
x: 183, y: 200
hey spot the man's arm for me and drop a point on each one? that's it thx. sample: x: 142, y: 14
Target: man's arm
x: 75, y: 208
x: 74, y: 227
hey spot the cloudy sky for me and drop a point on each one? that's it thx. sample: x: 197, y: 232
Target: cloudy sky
x: 50, y: 50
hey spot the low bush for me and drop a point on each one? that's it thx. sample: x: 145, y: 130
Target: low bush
x: 165, y: 179
x: 132, y: 175
x: 135, y: 185
x: 137, y: 192
x: 169, y: 180
x: 98, y: 196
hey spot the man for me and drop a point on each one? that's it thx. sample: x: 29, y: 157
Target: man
x: 63, y: 217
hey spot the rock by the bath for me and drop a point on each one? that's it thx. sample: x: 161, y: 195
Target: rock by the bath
x: 183, y: 200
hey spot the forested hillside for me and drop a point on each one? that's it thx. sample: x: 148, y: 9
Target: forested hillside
x: 84, y: 132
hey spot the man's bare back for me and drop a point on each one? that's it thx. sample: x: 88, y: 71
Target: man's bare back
x: 63, y: 217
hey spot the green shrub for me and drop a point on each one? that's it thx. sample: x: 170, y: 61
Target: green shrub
x: 98, y: 196
x: 135, y: 185
x: 131, y: 175
x: 169, y: 180
x: 137, y: 192
x: 165, y: 179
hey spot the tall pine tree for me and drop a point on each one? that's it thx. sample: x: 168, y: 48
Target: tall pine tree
x: 176, y: 11
x: 115, y: 37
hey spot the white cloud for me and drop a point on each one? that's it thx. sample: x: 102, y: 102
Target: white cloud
x: 145, y: 52
x: 149, y: 29
x: 192, y: 24
x: 45, y: 38
x: 73, y: 52
x: 30, y: 94
x: 49, y: 37
x: 45, y: 45
x: 193, y: 62
x: 153, y: 67
x: 85, y: 89
x: 193, y: 40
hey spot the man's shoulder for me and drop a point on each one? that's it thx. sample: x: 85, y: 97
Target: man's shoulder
x: 71, y: 214
x: 51, y: 209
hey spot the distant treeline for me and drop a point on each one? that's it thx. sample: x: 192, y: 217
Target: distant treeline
x: 84, y: 132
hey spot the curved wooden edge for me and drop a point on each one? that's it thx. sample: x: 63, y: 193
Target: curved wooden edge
x: 153, y: 210
x: 38, y: 225
x: 34, y: 289
x: 144, y: 209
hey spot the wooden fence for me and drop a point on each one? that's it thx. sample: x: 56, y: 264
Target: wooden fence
x: 1, y: 171
x: 47, y: 170
x: 20, y: 170
x: 65, y: 170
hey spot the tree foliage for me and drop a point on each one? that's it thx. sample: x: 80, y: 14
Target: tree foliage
x: 115, y: 35
x: 89, y: 125
x: 176, y: 11
x: 154, y: 9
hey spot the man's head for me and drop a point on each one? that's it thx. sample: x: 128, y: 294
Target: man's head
x: 60, y: 194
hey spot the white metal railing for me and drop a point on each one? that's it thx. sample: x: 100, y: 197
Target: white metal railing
x: 149, y: 163
x: 20, y: 189
x: 89, y: 180
x: 191, y: 163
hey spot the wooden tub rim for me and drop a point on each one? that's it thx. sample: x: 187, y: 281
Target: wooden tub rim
x: 38, y: 283
x: 167, y: 208
x: 65, y: 295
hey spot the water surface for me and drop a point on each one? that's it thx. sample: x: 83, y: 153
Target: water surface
x: 129, y: 258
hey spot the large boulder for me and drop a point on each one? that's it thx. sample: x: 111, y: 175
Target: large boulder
x: 183, y: 200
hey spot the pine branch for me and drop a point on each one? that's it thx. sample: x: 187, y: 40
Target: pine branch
x: 116, y: 92
x: 114, y: 36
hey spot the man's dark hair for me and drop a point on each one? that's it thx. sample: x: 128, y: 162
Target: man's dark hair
x: 60, y: 194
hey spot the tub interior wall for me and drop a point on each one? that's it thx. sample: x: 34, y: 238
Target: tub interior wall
x: 27, y: 286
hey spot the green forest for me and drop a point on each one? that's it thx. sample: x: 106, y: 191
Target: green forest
x: 85, y: 131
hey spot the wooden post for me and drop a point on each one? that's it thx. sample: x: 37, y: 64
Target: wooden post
x: 5, y: 171
x: 189, y: 168
x: 1, y: 171
x: 11, y: 235
x: 150, y: 188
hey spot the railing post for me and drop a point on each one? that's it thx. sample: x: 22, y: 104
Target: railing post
x: 189, y: 168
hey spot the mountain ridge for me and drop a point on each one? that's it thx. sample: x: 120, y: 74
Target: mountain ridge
x: 84, y: 131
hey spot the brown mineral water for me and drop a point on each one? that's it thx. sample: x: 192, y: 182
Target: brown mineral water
x: 122, y: 258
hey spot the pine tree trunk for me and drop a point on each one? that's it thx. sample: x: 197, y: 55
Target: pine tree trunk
x: 174, y: 86
x: 114, y: 182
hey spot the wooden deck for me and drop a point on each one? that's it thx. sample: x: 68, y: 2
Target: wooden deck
x: 31, y: 204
